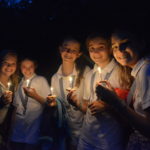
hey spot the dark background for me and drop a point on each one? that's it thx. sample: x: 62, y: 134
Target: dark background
x: 37, y: 29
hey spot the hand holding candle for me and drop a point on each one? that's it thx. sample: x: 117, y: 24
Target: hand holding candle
x: 7, y: 96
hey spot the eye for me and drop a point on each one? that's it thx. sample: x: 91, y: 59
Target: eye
x: 91, y: 49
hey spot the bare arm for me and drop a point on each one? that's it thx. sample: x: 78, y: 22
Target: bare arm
x: 31, y: 92
x: 138, y: 121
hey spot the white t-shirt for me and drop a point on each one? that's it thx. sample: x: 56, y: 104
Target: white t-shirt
x: 4, y: 110
x: 140, y: 92
x: 60, y: 83
x: 102, y: 131
x: 26, y: 126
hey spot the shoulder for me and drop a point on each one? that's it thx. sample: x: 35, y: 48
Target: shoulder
x: 145, y: 70
x: 89, y: 74
x: 39, y: 78
x: 54, y: 76
x: 87, y: 69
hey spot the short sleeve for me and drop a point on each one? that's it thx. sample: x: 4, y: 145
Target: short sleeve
x: 145, y: 86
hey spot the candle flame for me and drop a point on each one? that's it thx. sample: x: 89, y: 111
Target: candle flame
x: 70, y: 79
x: 27, y: 82
x: 9, y: 84
x: 99, y: 70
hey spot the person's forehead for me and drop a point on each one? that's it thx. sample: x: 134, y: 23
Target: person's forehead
x: 71, y: 43
x: 97, y: 41
x: 10, y: 59
x: 27, y: 63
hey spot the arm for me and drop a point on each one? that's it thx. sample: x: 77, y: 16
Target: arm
x: 31, y: 92
x: 141, y: 123
x: 80, y: 104
x: 5, y: 99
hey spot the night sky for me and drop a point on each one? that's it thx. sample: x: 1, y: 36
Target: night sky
x: 37, y: 29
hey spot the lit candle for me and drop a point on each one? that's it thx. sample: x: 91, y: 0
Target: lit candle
x: 8, y: 85
x: 27, y: 83
x: 51, y: 90
x: 100, y: 72
x: 71, y: 82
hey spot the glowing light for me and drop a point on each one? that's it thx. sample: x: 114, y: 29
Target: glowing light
x: 8, y: 85
x: 27, y: 83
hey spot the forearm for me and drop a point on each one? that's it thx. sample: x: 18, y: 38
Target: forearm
x: 139, y: 122
x: 82, y: 106
x: 40, y: 99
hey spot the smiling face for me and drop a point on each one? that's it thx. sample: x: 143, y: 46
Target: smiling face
x: 9, y: 66
x: 70, y: 51
x: 27, y: 68
x: 99, y: 51
x: 127, y: 57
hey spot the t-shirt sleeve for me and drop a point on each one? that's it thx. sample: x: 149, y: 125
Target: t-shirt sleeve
x: 145, y: 87
x: 43, y: 87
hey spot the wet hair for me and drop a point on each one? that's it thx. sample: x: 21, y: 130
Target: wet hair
x: 104, y: 36
x: 4, y: 54
x: 80, y: 63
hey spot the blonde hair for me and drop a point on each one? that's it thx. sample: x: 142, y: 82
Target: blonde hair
x: 125, y: 78
x: 4, y: 54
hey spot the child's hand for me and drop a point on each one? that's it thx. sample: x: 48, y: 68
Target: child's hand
x: 97, y: 107
x: 107, y: 85
x: 72, y: 99
x: 106, y: 95
x: 7, y: 97
x: 31, y: 92
x: 51, y: 101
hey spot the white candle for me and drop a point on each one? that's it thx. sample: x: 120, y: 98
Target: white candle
x: 27, y: 82
x: 51, y: 90
x: 100, y: 72
x: 8, y: 85
x: 71, y: 82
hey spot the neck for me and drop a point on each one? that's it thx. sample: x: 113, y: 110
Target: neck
x: 4, y: 79
x: 104, y: 64
x: 67, y: 68
x: 133, y: 63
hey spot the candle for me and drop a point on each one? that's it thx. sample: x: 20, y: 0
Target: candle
x: 71, y: 82
x: 100, y: 72
x: 27, y: 83
x: 51, y: 90
x: 8, y: 85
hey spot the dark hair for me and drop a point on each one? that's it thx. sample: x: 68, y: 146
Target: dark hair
x: 3, y: 55
x: 104, y: 36
x: 30, y: 59
x: 134, y: 41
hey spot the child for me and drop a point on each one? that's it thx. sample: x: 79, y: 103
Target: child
x: 29, y: 107
x: 71, y: 74
x: 8, y: 83
x: 131, y: 53
x: 101, y: 130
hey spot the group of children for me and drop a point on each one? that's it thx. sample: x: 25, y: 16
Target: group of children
x: 105, y: 108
